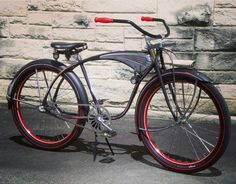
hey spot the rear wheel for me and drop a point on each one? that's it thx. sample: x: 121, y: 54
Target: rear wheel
x: 199, y: 135
x: 42, y: 125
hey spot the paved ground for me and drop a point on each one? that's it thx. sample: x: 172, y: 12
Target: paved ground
x: 21, y: 163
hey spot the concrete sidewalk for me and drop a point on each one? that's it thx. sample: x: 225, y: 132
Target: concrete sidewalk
x: 21, y: 163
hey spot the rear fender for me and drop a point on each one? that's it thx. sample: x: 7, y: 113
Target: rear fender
x: 23, y: 71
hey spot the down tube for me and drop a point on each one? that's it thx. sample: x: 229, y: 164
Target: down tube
x: 140, y: 62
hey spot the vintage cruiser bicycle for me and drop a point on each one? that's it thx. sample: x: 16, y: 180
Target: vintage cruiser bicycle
x: 180, y: 116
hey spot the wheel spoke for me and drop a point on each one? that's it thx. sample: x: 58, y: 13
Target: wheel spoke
x: 191, y: 102
x: 203, y: 141
x: 36, y: 71
x: 205, y: 129
x: 200, y: 138
x: 46, y: 81
x: 195, y: 152
x: 183, y: 95
x: 154, y: 129
x: 24, y: 102
x: 67, y: 124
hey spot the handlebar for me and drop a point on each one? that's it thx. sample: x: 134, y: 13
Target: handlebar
x: 111, y: 20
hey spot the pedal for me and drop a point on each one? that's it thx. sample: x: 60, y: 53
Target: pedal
x: 109, y: 134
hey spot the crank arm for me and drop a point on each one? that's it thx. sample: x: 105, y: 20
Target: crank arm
x: 80, y: 126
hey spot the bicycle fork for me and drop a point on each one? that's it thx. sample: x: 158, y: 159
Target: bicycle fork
x: 158, y: 71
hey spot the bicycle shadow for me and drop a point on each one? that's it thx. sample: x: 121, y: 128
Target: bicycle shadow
x: 136, y: 152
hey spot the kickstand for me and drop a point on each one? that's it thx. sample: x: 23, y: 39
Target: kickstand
x: 109, y: 146
x: 95, y: 148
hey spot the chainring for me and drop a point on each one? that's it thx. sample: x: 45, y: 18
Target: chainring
x: 99, y: 118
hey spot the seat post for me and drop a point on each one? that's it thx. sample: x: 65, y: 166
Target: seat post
x: 55, y: 54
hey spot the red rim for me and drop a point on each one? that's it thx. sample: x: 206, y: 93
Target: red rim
x: 218, y: 143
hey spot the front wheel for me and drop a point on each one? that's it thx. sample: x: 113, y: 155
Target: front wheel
x: 199, y: 135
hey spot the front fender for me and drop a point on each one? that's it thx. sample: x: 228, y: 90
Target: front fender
x: 191, y: 73
x: 187, y: 73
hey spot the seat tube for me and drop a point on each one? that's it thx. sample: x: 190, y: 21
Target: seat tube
x: 88, y: 83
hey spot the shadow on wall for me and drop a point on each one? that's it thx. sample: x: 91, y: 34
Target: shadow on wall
x: 199, y: 15
x: 4, y: 31
x: 1, y: 35
x: 2, y: 26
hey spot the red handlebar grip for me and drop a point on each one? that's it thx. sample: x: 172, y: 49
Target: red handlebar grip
x: 103, y: 19
x: 147, y: 18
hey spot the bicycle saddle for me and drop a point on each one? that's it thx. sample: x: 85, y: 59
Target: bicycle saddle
x: 67, y: 46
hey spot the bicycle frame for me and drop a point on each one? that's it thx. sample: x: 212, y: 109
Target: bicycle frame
x: 141, y: 62
x: 141, y: 67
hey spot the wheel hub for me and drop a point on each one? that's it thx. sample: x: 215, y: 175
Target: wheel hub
x: 182, y: 121
x: 41, y: 109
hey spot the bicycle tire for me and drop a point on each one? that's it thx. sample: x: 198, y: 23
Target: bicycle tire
x: 39, y: 128
x: 177, y: 156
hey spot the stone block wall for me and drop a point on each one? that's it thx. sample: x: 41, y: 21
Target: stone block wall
x: 205, y: 30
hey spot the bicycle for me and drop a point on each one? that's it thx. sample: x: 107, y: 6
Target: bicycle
x: 177, y: 108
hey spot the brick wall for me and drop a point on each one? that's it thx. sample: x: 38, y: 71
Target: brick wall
x: 205, y: 31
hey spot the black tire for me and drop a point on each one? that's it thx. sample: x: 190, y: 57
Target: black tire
x: 187, y: 145
x: 37, y: 125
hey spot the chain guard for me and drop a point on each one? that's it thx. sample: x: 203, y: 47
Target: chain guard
x: 99, y: 118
